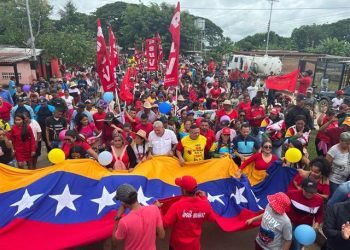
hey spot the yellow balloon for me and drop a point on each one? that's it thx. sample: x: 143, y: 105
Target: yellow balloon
x: 293, y: 155
x: 56, y: 155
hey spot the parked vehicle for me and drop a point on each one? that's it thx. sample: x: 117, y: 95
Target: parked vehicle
x: 259, y: 64
x: 324, y: 98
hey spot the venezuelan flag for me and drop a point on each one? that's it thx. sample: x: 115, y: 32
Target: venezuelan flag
x: 72, y: 203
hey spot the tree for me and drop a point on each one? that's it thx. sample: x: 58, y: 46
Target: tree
x: 258, y: 41
x: 74, y: 46
x: 223, y: 47
x: 14, y: 27
x: 70, y: 17
x: 332, y: 46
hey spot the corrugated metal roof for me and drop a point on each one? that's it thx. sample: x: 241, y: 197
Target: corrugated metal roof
x: 10, y: 55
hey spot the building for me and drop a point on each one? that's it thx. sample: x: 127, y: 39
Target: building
x: 16, y: 62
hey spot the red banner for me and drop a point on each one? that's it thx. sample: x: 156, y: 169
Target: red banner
x: 103, y: 63
x: 160, y: 48
x: 113, y: 53
x: 284, y: 82
x: 138, y: 58
x: 151, y: 50
x: 172, y: 68
x: 125, y: 93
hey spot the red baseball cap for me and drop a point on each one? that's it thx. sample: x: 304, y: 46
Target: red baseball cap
x: 279, y: 202
x: 187, y: 182
x: 216, y: 84
x: 226, y: 131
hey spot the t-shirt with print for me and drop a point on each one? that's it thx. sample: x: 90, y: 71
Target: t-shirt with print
x: 138, y: 228
x: 55, y: 126
x: 340, y: 170
x: 274, y: 230
x: 193, y: 150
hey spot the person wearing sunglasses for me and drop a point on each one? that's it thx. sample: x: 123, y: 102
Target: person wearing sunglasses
x: 255, y: 166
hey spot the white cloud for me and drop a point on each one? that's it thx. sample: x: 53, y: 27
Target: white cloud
x: 239, y: 23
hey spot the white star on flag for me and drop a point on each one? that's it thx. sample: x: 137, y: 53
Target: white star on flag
x: 65, y: 200
x: 105, y: 200
x: 142, y: 198
x: 239, y: 197
x: 213, y: 198
x: 27, y: 201
x: 256, y: 200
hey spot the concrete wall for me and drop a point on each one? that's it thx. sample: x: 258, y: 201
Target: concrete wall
x: 26, y: 75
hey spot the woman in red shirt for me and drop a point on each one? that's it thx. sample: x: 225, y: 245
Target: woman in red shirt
x: 5, y: 110
x: 322, y: 140
x: 123, y: 155
x: 215, y: 92
x: 320, y: 169
x: 72, y: 139
x: 255, y: 115
x: 261, y: 159
x: 23, y: 141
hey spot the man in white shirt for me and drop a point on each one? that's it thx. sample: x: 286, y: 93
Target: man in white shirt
x: 253, y: 89
x: 162, y: 141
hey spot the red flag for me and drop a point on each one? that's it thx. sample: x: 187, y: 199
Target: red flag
x: 138, y: 58
x: 172, y: 68
x: 113, y: 50
x: 160, y: 48
x: 283, y: 82
x: 152, y: 59
x: 103, y: 63
x: 125, y: 93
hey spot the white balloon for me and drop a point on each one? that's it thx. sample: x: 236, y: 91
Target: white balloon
x: 105, y: 158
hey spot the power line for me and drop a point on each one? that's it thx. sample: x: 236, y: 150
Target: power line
x: 267, y: 9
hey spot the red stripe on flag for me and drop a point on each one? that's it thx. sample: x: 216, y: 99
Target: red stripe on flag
x: 26, y: 234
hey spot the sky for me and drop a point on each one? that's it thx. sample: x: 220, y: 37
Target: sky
x: 241, y: 18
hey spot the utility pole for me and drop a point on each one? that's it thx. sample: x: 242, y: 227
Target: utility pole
x: 268, y: 26
x: 31, y: 33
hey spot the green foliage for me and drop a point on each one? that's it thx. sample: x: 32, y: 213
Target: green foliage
x: 74, y: 46
x: 70, y: 17
x: 258, y: 41
x: 224, y: 46
x: 310, y: 36
x: 332, y: 46
x: 14, y: 28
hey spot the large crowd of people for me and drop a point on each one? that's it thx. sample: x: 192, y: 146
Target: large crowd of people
x: 214, y: 113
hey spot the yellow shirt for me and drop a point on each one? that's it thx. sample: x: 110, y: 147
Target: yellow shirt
x: 151, y: 100
x: 193, y: 150
x: 5, y: 125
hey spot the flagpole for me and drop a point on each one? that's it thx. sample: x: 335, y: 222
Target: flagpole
x: 176, y: 100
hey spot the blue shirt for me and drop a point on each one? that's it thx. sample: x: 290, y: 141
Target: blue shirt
x: 6, y: 96
x: 245, y: 146
x: 13, y: 111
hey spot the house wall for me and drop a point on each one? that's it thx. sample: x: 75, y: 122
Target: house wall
x: 25, y: 74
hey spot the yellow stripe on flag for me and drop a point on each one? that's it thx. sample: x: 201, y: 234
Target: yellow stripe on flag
x: 163, y: 168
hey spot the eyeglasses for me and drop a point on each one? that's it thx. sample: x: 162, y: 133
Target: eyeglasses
x: 267, y: 147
